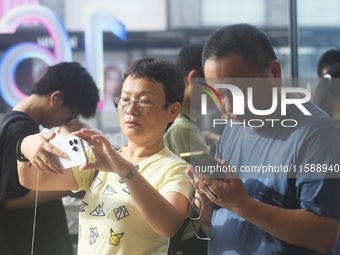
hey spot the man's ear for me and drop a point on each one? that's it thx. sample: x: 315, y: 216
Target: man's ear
x: 275, y: 70
x: 192, y: 74
x: 57, y: 98
x: 174, y: 111
x: 189, y: 81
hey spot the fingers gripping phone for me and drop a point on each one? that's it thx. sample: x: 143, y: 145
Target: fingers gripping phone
x: 199, y: 158
x: 74, y: 147
x: 205, y: 166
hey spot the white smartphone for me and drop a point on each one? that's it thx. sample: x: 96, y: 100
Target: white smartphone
x: 74, y: 147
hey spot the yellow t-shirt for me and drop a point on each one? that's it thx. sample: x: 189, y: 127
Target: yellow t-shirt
x: 109, y: 222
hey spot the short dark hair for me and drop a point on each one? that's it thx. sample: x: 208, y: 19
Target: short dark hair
x: 249, y: 42
x: 327, y: 59
x: 80, y: 90
x: 328, y: 88
x: 159, y: 69
x: 190, y: 58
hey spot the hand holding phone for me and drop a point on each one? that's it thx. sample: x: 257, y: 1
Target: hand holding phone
x: 74, y: 147
x: 205, y: 166
x: 199, y: 158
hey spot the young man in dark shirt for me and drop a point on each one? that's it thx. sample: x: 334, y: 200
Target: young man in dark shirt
x: 64, y: 92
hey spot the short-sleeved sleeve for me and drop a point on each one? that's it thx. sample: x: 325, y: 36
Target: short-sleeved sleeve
x: 84, y: 178
x: 318, y: 180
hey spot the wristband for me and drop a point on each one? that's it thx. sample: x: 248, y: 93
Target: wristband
x: 130, y: 175
x: 20, y: 157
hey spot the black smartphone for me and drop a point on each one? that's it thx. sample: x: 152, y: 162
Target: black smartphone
x: 205, y: 166
x: 199, y: 158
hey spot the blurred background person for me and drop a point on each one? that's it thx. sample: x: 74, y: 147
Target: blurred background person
x: 327, y: 59
x: 113, y: 81
x: 108, y: 121
x: 185, y: 134
x: 327, y: 93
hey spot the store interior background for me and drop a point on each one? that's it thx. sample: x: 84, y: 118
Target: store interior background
x: 301, y: 30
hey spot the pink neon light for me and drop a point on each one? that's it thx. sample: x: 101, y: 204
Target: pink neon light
x: 6, y: 5
x: 51, y: 31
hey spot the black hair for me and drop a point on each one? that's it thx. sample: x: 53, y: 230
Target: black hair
x: 247, y: 41
x: 189, y: 58
x: 327, y: 88
x: 327, y: 59
x: 159, y: 69
x: 77, y: 85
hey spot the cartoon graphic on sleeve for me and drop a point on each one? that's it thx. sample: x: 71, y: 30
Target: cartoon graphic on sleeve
x: 115, y: 238
x: 93, y: 235
x: 109, y: 191
x: 82, y: 206
x: 99, y: 211
x: 121, y: 212
x: 95, y: 184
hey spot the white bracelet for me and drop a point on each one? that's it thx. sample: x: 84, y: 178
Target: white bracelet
x: 130, y: 175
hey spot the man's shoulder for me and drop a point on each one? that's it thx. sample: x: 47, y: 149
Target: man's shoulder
x: 179, y: 126
x: 317, y: 121
x: 18, y: 123
x: 14, y: 116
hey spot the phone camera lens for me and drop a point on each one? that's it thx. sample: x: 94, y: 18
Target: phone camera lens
x: 70, y: 142
x: 75, y: 148
x: 75, y: 141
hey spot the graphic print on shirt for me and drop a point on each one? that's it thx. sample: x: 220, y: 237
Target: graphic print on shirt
x: 109, y: 191
x: 95, y: 184
x: 82, y: 206
x: 93, y: 235
x: 99, y: 211
x: 125, y: 189
x: 115, y: 238
x: 121, y: 212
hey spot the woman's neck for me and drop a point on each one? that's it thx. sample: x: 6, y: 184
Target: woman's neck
x: 136, y: 152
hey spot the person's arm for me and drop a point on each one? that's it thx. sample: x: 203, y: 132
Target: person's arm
x: 298, y: 227
x: 294, y: 226
x: 165, y: 213
x: 28, y: 200
x: 37, y: 150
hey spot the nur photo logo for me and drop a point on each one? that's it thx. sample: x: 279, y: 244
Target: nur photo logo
x: 243, y: 98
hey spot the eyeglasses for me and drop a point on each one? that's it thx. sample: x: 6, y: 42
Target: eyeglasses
x: 195, y: 216
x: 74, y: 115
x: 142, y: 106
